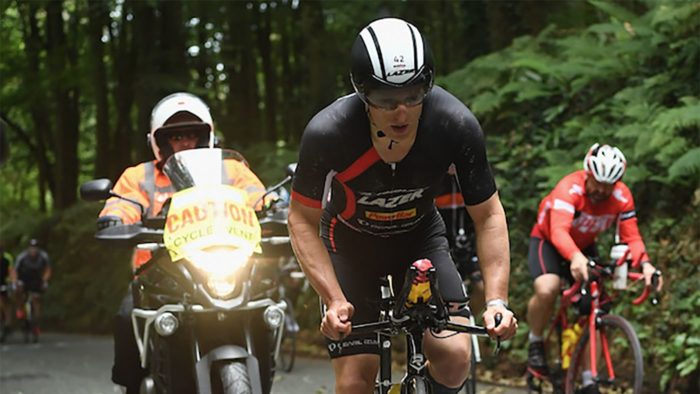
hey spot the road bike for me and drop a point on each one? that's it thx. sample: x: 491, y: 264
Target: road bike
x: 24, y: 314
x: 613, y: 360
x: 418, y: 309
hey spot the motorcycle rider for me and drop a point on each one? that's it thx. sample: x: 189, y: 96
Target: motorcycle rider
x: 179, y: 122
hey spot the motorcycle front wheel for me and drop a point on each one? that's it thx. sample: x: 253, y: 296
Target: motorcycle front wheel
x: 233, y: 379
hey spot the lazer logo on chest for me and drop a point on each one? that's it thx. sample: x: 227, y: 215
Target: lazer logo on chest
x: 391, y: 201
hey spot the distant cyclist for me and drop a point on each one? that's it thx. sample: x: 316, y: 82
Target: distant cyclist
x: 581, y: 206
x: 460, y: 236
x: 33, y: 269
x: 6, y: 277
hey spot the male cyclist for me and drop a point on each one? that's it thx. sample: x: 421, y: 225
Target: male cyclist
x: 460, y: 236
x: 179, y: 122
x: 363, y: 203
x: 581, y: 206
x: 33, y: 271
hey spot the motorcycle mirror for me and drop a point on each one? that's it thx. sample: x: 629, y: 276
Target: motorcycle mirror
x: 289, y: 170
x: 96, y: 190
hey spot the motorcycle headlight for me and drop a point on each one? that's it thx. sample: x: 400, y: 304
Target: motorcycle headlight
x: 219, y: 263
x: 221, y: 287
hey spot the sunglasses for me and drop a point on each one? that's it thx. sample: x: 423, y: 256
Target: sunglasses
x: 182, y: 135
x: 389, y: 99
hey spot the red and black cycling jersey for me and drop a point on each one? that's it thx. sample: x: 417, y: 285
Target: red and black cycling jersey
x: 340, y: 171
x: 569, y: 220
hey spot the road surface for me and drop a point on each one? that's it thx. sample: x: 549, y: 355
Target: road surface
x: 81, y: 364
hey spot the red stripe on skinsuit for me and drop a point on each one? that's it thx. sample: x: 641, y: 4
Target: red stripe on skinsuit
x: 359, y: 166
x: 309, y: 202
x: 356, y: 169
x: 544, y: 270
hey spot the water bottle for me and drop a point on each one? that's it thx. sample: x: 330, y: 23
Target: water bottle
x: 569, y: 338
x: 620, y: 276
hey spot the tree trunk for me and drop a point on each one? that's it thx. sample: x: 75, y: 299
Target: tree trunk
x: 39, y: 111
x: 321, y: 81
x: 270, y: 99
x: 123, y: 59
x: 146, y: 63
x: 243, y: 124
x: 65, y: 94
x: 98, y: 18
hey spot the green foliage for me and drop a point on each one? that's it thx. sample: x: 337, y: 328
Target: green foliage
x: 631, y: 82
x: 269, y: 161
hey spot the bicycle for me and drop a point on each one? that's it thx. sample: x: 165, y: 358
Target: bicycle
x: 616, y: 344
x: 25, y: 314
x: 418, y: 308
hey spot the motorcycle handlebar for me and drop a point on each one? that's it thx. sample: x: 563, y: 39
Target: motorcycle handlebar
x: 131, y: 234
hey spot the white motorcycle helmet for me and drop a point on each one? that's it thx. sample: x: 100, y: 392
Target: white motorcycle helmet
x: 171, y: 105
x: 606, y: 163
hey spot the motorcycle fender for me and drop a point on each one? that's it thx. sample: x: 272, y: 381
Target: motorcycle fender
x: 228, y: 352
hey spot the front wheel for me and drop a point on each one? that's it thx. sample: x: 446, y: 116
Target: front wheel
x: 618, y: 360
x: 233, y: 379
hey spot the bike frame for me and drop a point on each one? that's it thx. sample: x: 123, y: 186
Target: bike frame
x: 396, y: 319
x: 598, y: 298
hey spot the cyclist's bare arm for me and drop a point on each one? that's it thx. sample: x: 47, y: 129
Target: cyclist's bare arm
x: 303, y: 223
x: 494, y: 260
x: 47, y: 274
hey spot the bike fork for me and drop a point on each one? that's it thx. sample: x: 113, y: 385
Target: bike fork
x: 384, y: 363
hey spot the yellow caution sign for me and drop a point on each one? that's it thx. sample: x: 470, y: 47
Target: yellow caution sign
x: 212, y: 215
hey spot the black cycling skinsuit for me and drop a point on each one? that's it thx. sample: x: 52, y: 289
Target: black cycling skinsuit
x: 379, y: 218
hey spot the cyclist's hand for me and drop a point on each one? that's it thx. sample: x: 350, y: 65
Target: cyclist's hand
x: 648, y: 270
x: 336, y: 322
x: 508, y: 326
x: 579, y: 267
x: 45, y: 285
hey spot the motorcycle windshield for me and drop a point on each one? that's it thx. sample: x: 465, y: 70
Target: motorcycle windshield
x: 199, y: 167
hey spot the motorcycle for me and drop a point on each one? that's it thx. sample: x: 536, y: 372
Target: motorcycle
x: 203, y: 318
x: 289, y: 280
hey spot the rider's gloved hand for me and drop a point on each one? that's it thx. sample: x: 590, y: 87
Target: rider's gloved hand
x: 509, y: 324
x: 648, y: 270
x: 45, y: 285
x: 336, y: 323
x: 108, y: 221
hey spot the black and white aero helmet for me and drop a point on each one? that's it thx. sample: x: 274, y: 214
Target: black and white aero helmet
x: 391, y: 53
x: 606, y: 163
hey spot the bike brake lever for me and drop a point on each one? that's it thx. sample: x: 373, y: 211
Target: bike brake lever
x: 498, y: 318
x: 654, y: 284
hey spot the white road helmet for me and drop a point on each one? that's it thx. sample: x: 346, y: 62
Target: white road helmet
x: 606, y: 163
x: 171, y: 105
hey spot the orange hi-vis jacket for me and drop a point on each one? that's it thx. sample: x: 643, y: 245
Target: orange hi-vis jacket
x: 150, y: 186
